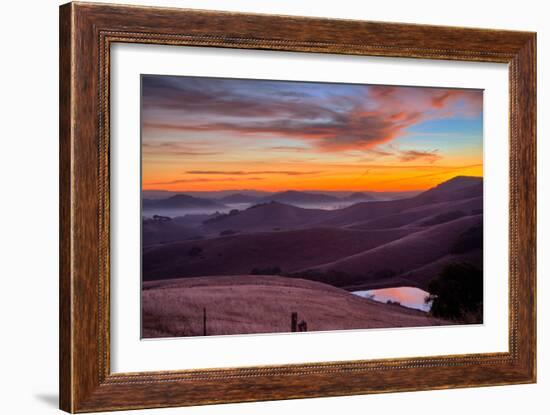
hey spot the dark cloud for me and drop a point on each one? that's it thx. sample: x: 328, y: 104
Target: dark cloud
x: 415, y: 155
x: 176, y: 149
x: 378, y: 152
x: 247, y: 173
x: 183, y: 181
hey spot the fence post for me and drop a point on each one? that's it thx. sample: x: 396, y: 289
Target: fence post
x: 293, y: 322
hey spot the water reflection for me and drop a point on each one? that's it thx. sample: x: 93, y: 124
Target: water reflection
x: 410, y: 297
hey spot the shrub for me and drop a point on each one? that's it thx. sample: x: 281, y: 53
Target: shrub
x: 457, y: 294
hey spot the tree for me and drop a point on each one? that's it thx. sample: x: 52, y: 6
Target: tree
x: 457, y: 294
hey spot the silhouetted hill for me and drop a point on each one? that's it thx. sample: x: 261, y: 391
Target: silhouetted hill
x: 181, y: 201
x: 241, y: 253
x: 460, y: 187
x: 163, y: 230
x: 239, y: 198
x: 456, y: 194
x: 369, y: 244
x: 301, y: 198
x: 423, y: 214
x: 266, y: 217
x: 399, y: 258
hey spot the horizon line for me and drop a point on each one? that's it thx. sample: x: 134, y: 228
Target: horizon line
x: 307, y: 190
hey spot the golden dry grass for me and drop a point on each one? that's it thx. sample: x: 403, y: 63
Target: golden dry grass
x: 262, y: 304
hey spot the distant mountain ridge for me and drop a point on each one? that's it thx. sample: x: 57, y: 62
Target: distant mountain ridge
x: 295, y: 197
x: 284, y: 215
x: 202, y: 194
x: 370, y: 244
x: 459, y: 182
x: 181, y: 201
x: 239, y: 198
x: 266, y: 216
x: 459, y: 187
x: 298, y: 197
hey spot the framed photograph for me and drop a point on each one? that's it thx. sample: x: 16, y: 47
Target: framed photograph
x: 259, y: 207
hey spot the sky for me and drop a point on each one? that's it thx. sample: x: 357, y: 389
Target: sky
x: 211, y: 134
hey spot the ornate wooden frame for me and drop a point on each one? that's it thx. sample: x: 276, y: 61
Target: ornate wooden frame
x: 86, y: 33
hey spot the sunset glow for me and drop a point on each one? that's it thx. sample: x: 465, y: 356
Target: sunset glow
x: 217, y: 134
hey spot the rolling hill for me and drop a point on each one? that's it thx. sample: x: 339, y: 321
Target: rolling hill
x: 398, y: 258
x: 244, y: 304
x: 419, y: 215
x: 155, y: 231
x: 460, y: 187
x: 367, y: 245
x: 240, y: 254
x: 181, y: 201
x: 239, y: 198
x: 266, y: 217
x: 293, y: 197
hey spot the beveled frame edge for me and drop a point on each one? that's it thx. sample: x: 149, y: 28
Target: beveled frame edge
x: 86, y: 33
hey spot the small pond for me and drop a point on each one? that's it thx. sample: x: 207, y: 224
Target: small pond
x: 410, y: 297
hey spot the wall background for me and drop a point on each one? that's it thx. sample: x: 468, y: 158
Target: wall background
x: 28, y: 205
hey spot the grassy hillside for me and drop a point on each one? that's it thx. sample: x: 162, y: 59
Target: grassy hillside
x: 262, y: 304
x: 241, y: 253
x: 395, y: 258
x: 266, y: 217
x: 404, y: 242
